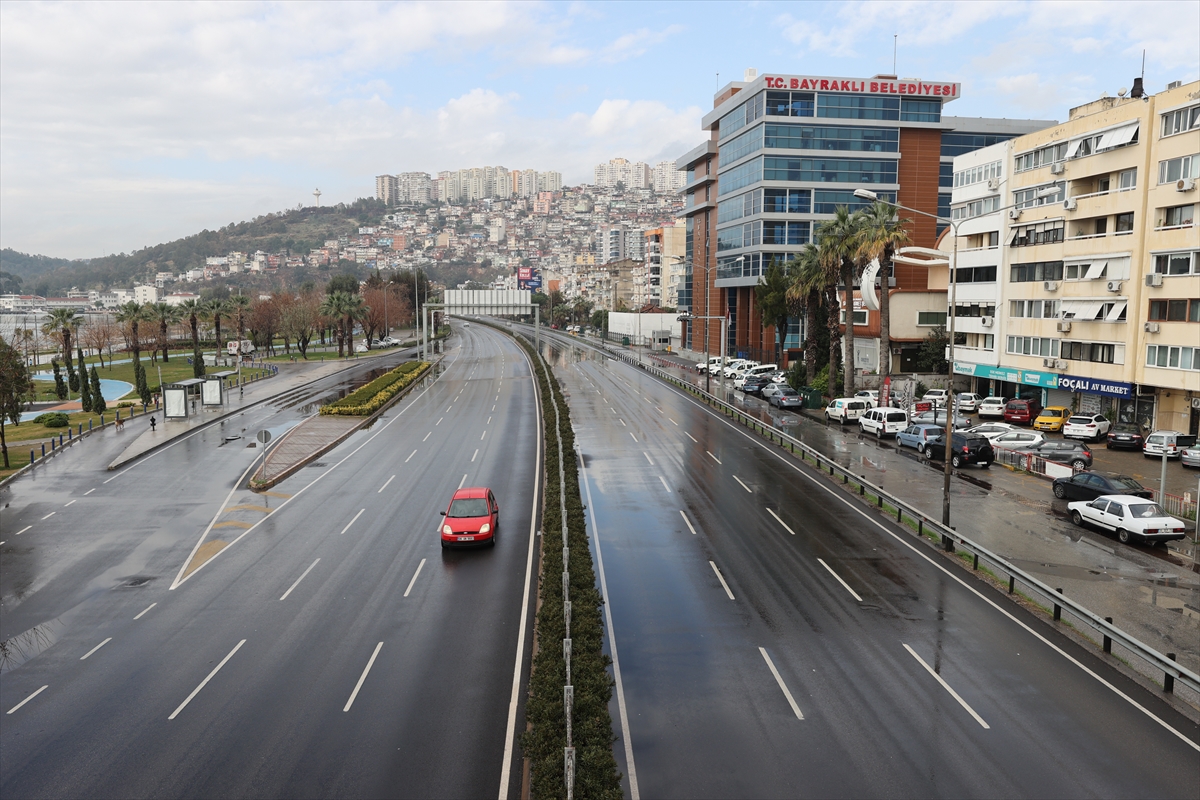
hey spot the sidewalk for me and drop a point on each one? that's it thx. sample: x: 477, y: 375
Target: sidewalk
x: 290, y: 378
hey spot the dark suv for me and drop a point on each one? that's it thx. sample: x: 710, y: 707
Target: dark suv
x: 1061, y: 451
x: 965, y: 448
x: 755, y: 383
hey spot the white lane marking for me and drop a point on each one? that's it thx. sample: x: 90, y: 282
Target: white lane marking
x: 515, y: 695
x: 947, y: 687
x: 385, y: 484
x: 147, y: 608
x: 613, y: 410
x: 426, y: 437
x: 464, y: 480
x: 622, y: 422
x: 634, y: 792
x: 673, y: 422
x: 474, y: 455
x: 693, y: 438
x: 27, y: 527
x: 481, y: 438
x: 410, y: 455
x: 351, y: 522
x: 647, y: 455
x: 744, y: 486
x: 786, y: 527
x: 451, y: 405
x: 48, y: 516
x: 89, y: 491
x: 94, y: 649
x: 493, y: 408
x: 204, y: 682
x: 362, y: 678
x: 602, y: 397
x: 489, y: 422
x: 714, y: 458
x: 439, y: 422
x: 634, y: 437
x: 779, y: 679
x: 664, y: 483
x: 414, y: 577
x: 721, y: 578
x: 688, y: 521
x: 27, y: 699
x: 73, y: 502
x: 839, y: 580
x: 297, y: 583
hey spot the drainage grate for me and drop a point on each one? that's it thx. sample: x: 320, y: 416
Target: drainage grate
x: 316, y: 464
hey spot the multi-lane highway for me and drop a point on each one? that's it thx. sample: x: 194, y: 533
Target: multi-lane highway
x: 332, y: 650
x: 776, y: 639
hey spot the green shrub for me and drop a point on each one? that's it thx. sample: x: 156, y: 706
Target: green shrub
x: 366, y: 400
x: 921, y: 390
x: 53, y: 419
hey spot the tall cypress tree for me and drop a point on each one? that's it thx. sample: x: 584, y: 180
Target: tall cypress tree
x: 60, y: 386
x: 98, y: 404
x: 85, y: 394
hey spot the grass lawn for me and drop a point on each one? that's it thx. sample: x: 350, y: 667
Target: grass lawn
x: 176, y: 369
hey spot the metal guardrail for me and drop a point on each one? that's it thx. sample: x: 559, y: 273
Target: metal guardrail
x: 950, y: 538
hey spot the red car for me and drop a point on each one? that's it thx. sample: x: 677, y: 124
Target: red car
x: 1021, y: 412
x: 472, y: 518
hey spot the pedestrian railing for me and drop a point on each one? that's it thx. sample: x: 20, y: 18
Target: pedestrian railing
x: 951, y: 540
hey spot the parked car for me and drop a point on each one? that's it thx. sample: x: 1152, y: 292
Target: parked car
x: 939, y: 418
x: 1051, y: 418
x: 705, y: 366
x: 965, y: 448
x: 1130, y: 517
x: 1190, y: 456
x: 785, y: 397
x: 1125, y: 436
x: 1021, y: 412
x: 763, y: 370
x: 967, y: 402
x: 1090, y: 485
x: 472, y: 518
x: 992, y: 407
x: 870, y: 396
x: 754, y: 384
x: 737, y: 366
x: 1089, y: 427
x: 936, y: 396
x: 1017, y: 438
x: 845, y: 409
x: 918, y: 436
x: 1173, y: 443
x: 1061, y: 451
x: 992, y: 429
x: 883, y: 421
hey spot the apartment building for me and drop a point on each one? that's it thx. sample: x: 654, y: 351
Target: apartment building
x: 664, y: 257
x: 1097, y: 291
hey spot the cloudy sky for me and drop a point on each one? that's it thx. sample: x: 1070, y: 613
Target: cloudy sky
x: 127, y: 124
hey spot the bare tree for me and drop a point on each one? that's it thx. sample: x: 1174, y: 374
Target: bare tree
x: 99, y: 335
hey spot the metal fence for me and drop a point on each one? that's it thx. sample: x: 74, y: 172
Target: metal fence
x: 951, y: 540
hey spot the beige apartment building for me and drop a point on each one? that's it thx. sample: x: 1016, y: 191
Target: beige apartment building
x: 1098, y: 300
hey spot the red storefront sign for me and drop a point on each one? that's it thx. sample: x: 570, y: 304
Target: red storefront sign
x: 857, y: 86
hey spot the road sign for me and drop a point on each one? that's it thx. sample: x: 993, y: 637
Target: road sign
x: 264, y: 436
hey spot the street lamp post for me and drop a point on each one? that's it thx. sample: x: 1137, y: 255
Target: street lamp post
x: 707, y: 317
x: 866, y: 194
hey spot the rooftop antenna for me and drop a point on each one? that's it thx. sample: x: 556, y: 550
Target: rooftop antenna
x: 718, y: 80
x: 317, y: 194
x: 895, y: 46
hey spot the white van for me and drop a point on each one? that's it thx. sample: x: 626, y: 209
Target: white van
x: 763, y: 369
x: 883, y: 421
x: 845, y: 409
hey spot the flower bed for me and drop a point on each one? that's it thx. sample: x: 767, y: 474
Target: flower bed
x: 368, y: 399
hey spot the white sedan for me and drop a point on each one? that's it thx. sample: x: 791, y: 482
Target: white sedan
x: 992, y: 430
x: 1130, y: 517
x: 991, y: 407
x: 1017, y: 438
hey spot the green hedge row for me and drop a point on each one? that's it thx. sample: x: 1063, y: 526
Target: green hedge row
x: 366, y: 400
x: 596, y: 774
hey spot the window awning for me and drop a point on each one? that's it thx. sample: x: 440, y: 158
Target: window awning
x: 1118, y: 136
x: 1095, y: 269
x: 1073, y: 148
x: 1081, y: 309
x: 1117, y: 310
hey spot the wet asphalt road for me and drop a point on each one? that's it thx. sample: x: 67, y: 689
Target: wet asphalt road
x: 388, y: 668
x: 726, y: 562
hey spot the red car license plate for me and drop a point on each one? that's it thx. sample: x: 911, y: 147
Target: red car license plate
x: 466, y: 538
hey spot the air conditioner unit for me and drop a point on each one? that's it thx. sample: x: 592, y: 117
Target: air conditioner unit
x: 1060, y: 365
x: 1154, y: 279
x: 1057, y: 168
x: 993, y: 184
x: 986, y: 321
x: 1064, y: 327
x: 1048, y: 363
x: 1070, y: 204
x: 1151, y: 327
x: 1014, y: 213
x: 1185, y: 184
x: 1050, y: 286
x: 1114, y: 286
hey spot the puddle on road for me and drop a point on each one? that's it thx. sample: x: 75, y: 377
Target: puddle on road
x: 18, y: 649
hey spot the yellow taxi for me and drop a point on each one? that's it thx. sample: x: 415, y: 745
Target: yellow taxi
x: 1052, y: 418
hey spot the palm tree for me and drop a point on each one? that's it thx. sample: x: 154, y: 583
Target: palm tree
x: 839, y: 237
x: 193, y: 310
x: 165, y: 315
x: 356, y: 309
x: 333, y: 307
x: 62, y: 323
x: 774, y: 305
x: 214, y: 310
x: 237, y: 306
x: 132, y: 314
x: 808, y: 283
x: 882, y: 235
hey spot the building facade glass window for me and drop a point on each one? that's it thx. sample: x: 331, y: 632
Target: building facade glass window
x: 828, y: 170
x: 976, y: 174
x: 742, y: 145
x: 1177, y: 263
x: 1029, y: 198
x: 975, y: 275
x: 790, y: 104
x: 826, y: 201
x: 807, y: 137
x: 1171, y: 357
x: 955, y: 143
x: 858, y: 106
x: 1041, y: 157
x: 1033, y: 309
x: 1181, y: 121
x: 787, y: 201
x: 920, y: 110
x: 1036, y: 271
x: 1173, y: 169
x: 741, y: 116
x: 740, y: 177
x: 1033, y: 346
x: 1098, y: 352
x: 779, y: 232
x: 977, y: 208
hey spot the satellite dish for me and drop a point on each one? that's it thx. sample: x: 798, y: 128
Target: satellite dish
x: 1122, y: 92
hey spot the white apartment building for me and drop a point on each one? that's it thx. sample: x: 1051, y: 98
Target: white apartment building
x: 413, y: 187
x: 666, y: 179
x: 385, y: 188
x: 632, y: 175
x: 146, y: 294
